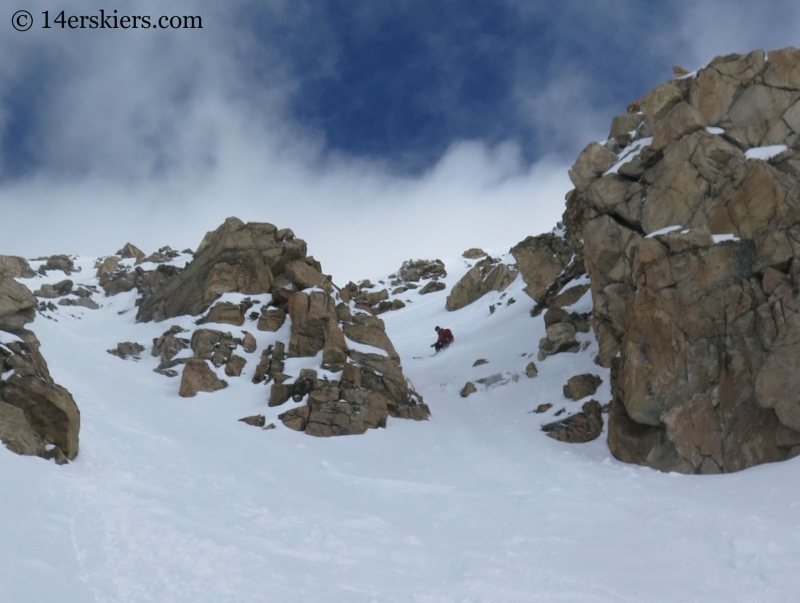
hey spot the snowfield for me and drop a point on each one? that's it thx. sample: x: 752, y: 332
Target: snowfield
x: 173, y: 500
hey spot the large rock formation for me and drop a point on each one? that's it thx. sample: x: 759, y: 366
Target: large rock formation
x: 486, y: 275
x: 690, y: 232
x: 257, y: 259
x: 37, y: 416
x: 235, y: 257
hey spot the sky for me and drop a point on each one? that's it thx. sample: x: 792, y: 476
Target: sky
x: 378, y: 131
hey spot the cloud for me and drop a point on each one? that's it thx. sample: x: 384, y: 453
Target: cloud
x: 156, y: 137
x: 563, y: 112
x: 357, y: 220
x: 711, y: 28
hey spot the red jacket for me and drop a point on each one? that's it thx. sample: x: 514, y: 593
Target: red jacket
x: 445, y: 336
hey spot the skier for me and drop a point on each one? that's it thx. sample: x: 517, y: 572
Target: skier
x: 445, y: 339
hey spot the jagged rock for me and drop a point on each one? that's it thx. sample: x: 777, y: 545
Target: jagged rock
x: 216, y: 346
x: 49, y: 409
x: 49, y: 423
x: 127, y: 349
x: 418, y: 270
x: 198, y: 377
x: 271, y: 319
x: 469, y: 388
x: 109, y: 265
x: 226, y: 313
x: 58, y: 262
x: 376, y: 302
x: 17, y: 434
x: 249, y: 344
x: 296, y: 419
x: 473, y: 253
x: 47, y: 307
x: 580, y: 386
x: 279, y: 393
x: 119, y: 281
x: 255, y: 420
x: 15, y: 267
x: 480, y: 361
x: 432, y: 287
x: 592, y: 163
x: 234, y: 366
x: 315, y: 328
x: 372, y: 386
x: 623, y: 125
x: 569, y: 296
x: 271, y: 364
x: 131, y: 251
x: 235, y: 257
x: 332, y: 412
x: 485, y: 276
x: 387, y: 306
x: 168, y: 345
x: 303, y: 276
x: 149, y: 281
x: 531, y: 371
x: 701, y: 330
x: 540, y: 260
x: 17, y: 304
x: 83, y: 302
x: 256, y: 259
x: 582, y: 427
x: 543, y: 408
x: 367, y: 300
x: 164, y: 254
x: 52, y: 291
x: 681, y: 120
x: 26, y: 359
x: 561, y: 334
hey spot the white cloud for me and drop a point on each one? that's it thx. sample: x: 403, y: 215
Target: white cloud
x: 156, y: 137
x: 357, y: 220
x: 710, y: 28
x: 563, y: 112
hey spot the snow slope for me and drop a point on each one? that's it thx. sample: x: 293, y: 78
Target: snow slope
x: 173, y: 500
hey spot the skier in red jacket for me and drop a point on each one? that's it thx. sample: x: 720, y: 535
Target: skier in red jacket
x: 445, y: 339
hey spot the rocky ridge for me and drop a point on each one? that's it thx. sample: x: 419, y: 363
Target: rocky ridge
x: 688, y: 221
x: 358, y: 382
x: 38, y: 417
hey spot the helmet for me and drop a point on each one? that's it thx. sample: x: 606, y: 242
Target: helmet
x: 436, y: 329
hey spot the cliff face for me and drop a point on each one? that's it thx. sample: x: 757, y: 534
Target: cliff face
x: 688, y: 219
x: 38, y: 417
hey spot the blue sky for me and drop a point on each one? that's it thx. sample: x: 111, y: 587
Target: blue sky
x: 329, y: 115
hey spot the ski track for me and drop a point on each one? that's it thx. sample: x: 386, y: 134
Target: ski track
x: 173, y: 500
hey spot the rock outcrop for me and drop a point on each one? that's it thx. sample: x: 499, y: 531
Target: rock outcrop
x: 37, y: 416
x: 690, y: 232
x: 581, y: 386
x: 198, y: 377
x: 338, y: 326
x: 581, y: 427
x: 540, y: 260
x: 17, y: 305
x: 12, y: 266
x: 236, y: 257
x: 486, y: 275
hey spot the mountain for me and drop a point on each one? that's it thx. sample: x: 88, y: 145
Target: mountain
x: 229, y: 424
